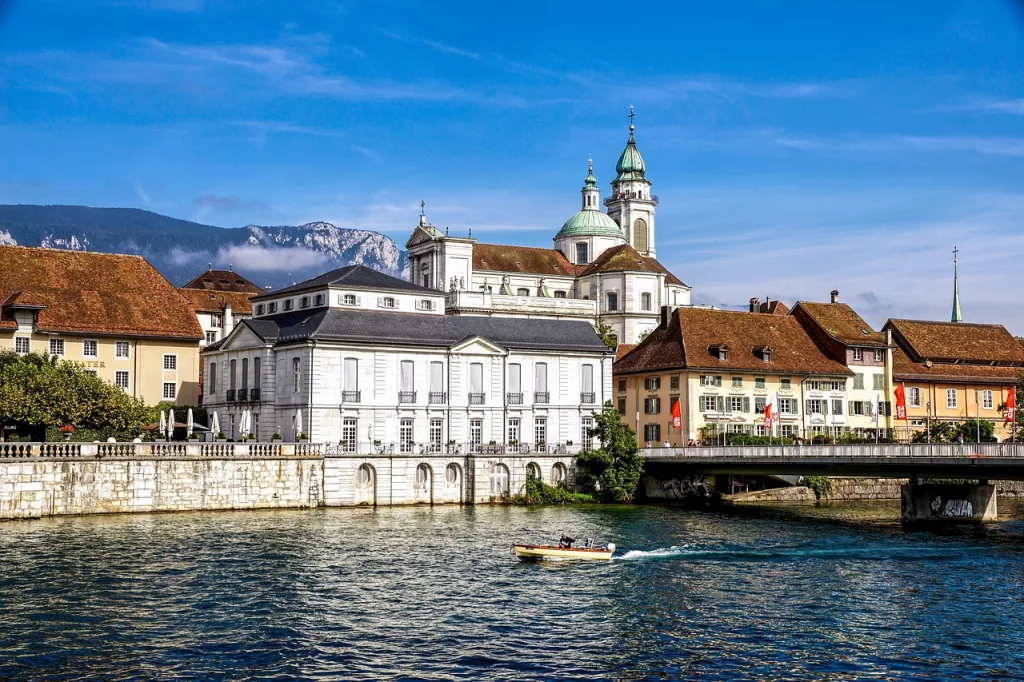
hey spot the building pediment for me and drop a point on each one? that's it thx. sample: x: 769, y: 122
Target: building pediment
x: 241, y: 337
x: 477, y: 345
x: 423, y: 234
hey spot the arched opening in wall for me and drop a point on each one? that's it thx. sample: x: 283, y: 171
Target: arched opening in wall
x: 423, y: 485
x: 533, y: 470
x: 499, y: 480
x: 558, y: 475
x: 453, y: 481
x: 640, y: 234
x: 366, y: 485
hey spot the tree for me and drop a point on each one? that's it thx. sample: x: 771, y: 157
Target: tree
x: 607, y: 335
x: 616, y: 467
x: 940, y: 432
x: 969, y: 430
x: 39, y: 392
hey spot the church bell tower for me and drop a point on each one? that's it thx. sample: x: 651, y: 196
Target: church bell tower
x: 631, y: 203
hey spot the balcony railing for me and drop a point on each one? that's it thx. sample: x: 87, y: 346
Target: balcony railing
x: 406, y: 397
x: 419, y: 449
x: 542, y: 398
x: 230, y: 395
x: 587, y: 398
x: 254, y: 395
x: 351, y: 396
x: 477, y: 398
x: 438, y: 397
x: 514, y: 398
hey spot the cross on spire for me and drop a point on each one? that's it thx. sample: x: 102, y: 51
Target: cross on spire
x: 632, y: 115
x: 423, y: 207
x: 957, y: 316
x: 955, y: 252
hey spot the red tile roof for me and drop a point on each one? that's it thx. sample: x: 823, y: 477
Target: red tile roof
x: 223, y: 280
x: 956, y: 342
x: 95, y: 293
x: 693, y: 332
x: 212, y: 301
x: 774, y: 308
x: 843, y: 324
x: 624, y: 258
x: 905, y: 369
x: 623, y: 349
x: 524, y: 259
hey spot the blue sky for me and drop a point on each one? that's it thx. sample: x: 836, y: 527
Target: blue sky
x: 796, y: 147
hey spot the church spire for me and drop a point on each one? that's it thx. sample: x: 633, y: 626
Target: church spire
x: 591, y: 194
x: 956, y: 317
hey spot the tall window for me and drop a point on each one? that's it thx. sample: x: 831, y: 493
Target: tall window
x: 640, y: 234
x: 121, y: 350
x: 645, y: 301
x: 540, y: 430
x: 499, y: 480
x: 231, y: 375
x: 986, y: 400
x: 951, y: 401
x: 296, y: 374
x: 245, y: 373
x: 171, y: 363
x: 879, y: 356
x: 349, y: 427
x: 837, y: 407
x: 540, y: 382
x: 121, y: 379
x: 858, y: 381
x: 350, y: 382
x: 653, y: 383
x: 257, y: 377
x: 858, y: 354
x: 652, y: 433
x: 56, y: 346
x: 405, y: 427
x: 476, y: 383
x: 914, y: 397
x: 407, y: 382
x: 513, y: 431
x: 170, y: 390
x: 436, y: 434
x: 476, y: 431
x: 587, y: 383
x: 22, y: 344
x: 586, y: 437
x: 211, y: 337
x: 652, y: 405
x: 582, y: 255
x: 613, y: 301
x: 515, y: 383
x: 213, y: 378
x: 89, y: 348
x: 878, y: 382
x: 437, y: 382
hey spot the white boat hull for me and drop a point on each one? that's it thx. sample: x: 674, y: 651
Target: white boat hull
x: 539, y: 552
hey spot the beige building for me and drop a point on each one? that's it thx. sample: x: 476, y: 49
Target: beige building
x: 115, y: 315
x: 723, y: 367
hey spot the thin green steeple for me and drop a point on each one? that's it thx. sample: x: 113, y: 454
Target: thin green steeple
x: 956, y: 317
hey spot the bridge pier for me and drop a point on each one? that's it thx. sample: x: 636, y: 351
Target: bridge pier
x: 948, y: 502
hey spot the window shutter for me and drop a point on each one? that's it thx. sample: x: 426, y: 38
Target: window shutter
x: 746, y: 404
x: 719, y: 404
x: 380, y: 301
x: 796, y: 406
x: 851, y: 407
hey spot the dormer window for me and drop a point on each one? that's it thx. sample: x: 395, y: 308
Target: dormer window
x: 425, y: 304
x: 272, y: 307
x: 259, y: 309
x: 763, y: 352
x: 288, y: 304
x: 304, y: 302
x: 386, y: 301
x: 319, y: 299
x: 348, y: 299
x: 720, y: 351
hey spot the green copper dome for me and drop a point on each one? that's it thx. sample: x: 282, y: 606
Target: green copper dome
x: 631, y: 164
x: 589, y: 223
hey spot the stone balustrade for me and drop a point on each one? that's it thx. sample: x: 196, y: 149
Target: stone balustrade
x: 160, y: 450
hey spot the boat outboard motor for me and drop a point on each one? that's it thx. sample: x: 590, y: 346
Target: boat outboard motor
x: 611, y: 547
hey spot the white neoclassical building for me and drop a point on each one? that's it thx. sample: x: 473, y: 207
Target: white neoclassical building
x: 372, y: 362
x: 602, y: 266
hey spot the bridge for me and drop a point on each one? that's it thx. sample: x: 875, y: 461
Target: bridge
x: 981, y: 462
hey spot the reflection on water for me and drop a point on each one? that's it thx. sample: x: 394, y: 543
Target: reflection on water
x: 435, y: 593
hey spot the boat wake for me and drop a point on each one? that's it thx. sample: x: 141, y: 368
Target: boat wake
x: 908, y: 553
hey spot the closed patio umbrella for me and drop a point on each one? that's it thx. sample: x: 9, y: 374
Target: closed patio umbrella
x: 189, y: 424
x: 170, y: 424
x: 215, y: 425
x: 298, y: 423
x: 163, y: 422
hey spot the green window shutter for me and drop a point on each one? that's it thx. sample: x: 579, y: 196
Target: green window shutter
x: 720, y: 404
x: 746, y: 404
x: 796, y: 406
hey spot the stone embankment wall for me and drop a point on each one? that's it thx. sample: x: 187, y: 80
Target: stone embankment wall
x: 53, y: 479
x: 155, y: 478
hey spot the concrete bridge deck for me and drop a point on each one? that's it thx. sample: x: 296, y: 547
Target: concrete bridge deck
x: 984, y: 461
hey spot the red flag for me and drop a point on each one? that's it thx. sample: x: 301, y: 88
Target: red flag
x: 901, y: 403
x: 1011, y: 405
x: 677, y: 420
x: 768, y: 416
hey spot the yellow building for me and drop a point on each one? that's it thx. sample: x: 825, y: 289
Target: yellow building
x: 115, y: 315
x: 723, y: 367
x: 954, y: 371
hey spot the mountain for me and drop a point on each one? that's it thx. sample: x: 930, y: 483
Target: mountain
x: 274, y: 256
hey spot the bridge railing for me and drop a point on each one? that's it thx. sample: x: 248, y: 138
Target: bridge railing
x: 864, y: 450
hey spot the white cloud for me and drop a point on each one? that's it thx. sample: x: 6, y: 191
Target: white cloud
x: 263, y: 259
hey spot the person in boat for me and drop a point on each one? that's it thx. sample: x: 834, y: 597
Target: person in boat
x: 565, y: 542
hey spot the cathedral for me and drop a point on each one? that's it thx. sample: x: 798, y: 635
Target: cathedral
x: 602, y: 267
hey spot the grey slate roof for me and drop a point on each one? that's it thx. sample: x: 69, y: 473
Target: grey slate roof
x: 356, y: 276
x: 371, y: 327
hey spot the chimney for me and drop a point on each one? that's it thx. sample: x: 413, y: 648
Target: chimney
x: 835, y: 295
x: 228, y: 323
x: 665, y: 310
x: 755, y: 305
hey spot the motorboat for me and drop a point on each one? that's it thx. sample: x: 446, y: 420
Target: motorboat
x: 568, y: 548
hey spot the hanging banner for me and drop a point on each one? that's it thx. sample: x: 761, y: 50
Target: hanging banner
x: 901, y: 403
x: 677, y: 420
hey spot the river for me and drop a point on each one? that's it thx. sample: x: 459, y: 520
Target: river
x: 800, y: 593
